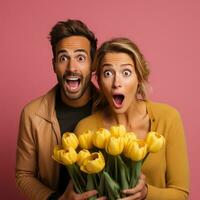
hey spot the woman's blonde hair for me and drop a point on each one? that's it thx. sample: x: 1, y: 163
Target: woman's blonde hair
x: 122, y: 45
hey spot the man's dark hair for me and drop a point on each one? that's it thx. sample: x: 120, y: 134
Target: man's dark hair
x: 69, y: 28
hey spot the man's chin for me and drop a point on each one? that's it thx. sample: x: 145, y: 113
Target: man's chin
x: 72, y: 96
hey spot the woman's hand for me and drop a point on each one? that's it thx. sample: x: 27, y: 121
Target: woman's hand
x: 139, y: 192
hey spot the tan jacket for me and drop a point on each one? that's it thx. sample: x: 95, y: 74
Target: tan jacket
x: 36, y: 172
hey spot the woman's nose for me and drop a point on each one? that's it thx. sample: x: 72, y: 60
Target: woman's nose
x: 117, y: 81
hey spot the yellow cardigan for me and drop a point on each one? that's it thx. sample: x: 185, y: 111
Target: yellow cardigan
x: 167, y: 171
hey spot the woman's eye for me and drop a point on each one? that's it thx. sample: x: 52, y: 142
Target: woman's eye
x: 126, y: 72
x: 81, y: 58
x: 107, y: 73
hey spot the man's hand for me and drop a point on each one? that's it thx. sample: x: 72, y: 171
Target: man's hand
x: 70, y: 194
x: 139, y: 192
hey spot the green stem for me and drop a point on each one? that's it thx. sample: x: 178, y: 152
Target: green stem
x: 135, y: 172
x: 112, y: 188
x: 91, y: 184
x: 77, y: 178
x: 116, y: 178
x: 101, y: 187
x: 123, y: 173
x: 145, y: 158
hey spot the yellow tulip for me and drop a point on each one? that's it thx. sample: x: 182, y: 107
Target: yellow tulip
x: 129, y: 136
x: 117, y: 131
x: 68, y: 156
x: 135, y: 150
x: 114, y: 145
x: 84, y: 153
x: 93, y: 163
x: 155, y: 141
x: 69, y: 140
x: 100, y: 137
x: 57, y: 153
x: 85, y: 140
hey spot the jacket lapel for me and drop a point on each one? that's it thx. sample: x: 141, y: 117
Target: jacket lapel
x: 47, y: 111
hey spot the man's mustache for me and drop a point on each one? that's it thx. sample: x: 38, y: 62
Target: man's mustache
x: 72, y: 74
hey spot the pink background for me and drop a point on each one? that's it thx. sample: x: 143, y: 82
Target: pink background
x: 166, y: 31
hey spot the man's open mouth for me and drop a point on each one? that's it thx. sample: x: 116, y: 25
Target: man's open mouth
x: 72, y: 83
x: 118, y: 100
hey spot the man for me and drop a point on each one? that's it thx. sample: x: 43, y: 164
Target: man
x: 44, y: 120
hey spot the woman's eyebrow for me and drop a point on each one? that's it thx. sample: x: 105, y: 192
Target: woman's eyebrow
x: 126, y: 64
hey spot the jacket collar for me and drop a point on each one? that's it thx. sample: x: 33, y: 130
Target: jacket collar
x: 47, y: 107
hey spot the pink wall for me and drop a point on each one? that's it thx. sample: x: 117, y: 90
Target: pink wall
x: 166, y: 31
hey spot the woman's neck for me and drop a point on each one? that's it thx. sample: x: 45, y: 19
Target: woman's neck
x: 134, y: 119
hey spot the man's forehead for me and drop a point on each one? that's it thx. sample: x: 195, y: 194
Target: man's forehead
x: 73, y: 44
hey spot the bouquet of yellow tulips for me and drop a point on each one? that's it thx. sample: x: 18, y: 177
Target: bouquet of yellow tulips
x: 106, y: 160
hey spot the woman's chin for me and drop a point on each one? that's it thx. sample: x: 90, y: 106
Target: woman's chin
x: 119, y: 110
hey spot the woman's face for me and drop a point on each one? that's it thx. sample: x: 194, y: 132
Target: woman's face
x: 118, y: 81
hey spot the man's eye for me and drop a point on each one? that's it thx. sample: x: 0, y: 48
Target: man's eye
x: 126, y: 72
x: 63, y: 58
x: 81, y: 58
x: 107, y: 73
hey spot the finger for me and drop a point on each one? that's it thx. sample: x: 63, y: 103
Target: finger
x: 139, y: 187
x: 142, y: 176
x: 70, y: 185
x: 137, y: 196
x: 70, y: 188
x: 87, y: 194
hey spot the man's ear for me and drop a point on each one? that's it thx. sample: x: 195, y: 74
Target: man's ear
x: 94, y: 80
x: 53, y: 64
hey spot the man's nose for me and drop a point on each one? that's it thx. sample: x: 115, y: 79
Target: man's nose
x: 71, y: 65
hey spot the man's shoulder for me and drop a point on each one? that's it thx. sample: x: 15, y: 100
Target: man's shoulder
x: 34, y: 105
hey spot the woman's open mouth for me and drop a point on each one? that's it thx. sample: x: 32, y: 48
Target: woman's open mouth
x: 118, y: 100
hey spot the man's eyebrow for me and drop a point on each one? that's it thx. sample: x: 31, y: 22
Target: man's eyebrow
x: 77, y: 50
x: 81, y: 50
x: 62, y: 51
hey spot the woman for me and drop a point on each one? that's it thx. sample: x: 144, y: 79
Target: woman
x: 122, y: 75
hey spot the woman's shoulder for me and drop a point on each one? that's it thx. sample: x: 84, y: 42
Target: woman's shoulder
x: 162, y: 109
x: 92, y: 122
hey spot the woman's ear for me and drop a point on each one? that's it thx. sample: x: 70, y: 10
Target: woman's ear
x: 94, y: 80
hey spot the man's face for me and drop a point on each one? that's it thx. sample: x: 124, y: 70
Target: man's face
x: 72, y: 65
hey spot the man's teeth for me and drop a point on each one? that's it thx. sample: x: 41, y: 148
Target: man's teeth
x: 72, y: 78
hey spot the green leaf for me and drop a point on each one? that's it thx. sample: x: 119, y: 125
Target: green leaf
x: 101, y: 187
x: 91, y: 184
x: 123, y: 173
x: 111, y: 187
x: 74, y: 177
x: 135, y: 173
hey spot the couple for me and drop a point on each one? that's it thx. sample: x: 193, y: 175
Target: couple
x: 122, y: 77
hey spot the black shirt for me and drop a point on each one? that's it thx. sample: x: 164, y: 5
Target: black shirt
x: 68, y: 117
